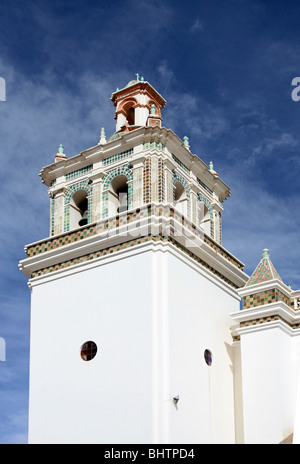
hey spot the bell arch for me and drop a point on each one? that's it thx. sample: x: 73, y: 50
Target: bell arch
x: 181, y: 194
x: 117, y: 195
x: 127, y: 109
x: 78, y: 209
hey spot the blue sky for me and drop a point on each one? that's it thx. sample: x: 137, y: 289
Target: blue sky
x: 225, y: 69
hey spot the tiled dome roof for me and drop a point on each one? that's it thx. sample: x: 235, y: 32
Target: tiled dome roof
x: 265, y: 270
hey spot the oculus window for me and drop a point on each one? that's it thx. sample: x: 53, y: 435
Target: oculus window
x: 88, y: 351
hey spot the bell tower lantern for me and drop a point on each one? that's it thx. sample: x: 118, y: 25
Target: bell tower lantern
x: 138, y: 104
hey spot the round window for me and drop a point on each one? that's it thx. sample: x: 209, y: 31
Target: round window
x: 208, y: 357
x: 88, y: 351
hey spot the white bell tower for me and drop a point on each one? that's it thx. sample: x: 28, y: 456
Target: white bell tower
x: 131, y: 293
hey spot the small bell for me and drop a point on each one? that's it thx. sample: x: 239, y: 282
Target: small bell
x: 84, y: 220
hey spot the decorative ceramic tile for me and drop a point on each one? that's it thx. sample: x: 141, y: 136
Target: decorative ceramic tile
x: 180, y: 163
x: 118, y: 157
x: 82, y: 185
x: 153, y: 146
x: 79, y: 172
x: 263, y: 272
x: 177, y: 177
x: 132, y: 216
x: 124, y: 246
x: 147, y: 181
x: 264, y: 298
x: 124, y: 170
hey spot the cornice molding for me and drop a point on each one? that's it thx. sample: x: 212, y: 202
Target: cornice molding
x: 132, y: 139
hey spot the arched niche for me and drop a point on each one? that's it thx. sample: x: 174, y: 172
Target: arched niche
x: 180, y: 198
x: 181, y: 194
x: 126, y: 112
x: 78, y: 205
x: 79, y: 209
x: 118, y: 195
x: 205, y: 215
x: 117, y: 191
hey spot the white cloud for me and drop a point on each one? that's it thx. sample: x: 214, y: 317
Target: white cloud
x: 255, y: 219
x: 13, y: 426
x: 268, y: 144
x: 239, y: 137
x: 37, y: 116
x: 165, y: 73
x: 197, y: 26
x: 195, y: 116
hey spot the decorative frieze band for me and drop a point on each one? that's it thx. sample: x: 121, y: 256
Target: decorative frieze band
x: 134, y: 223
x: 125, y: 245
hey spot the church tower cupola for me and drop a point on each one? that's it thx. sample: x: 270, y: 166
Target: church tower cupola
x: 138, y: 104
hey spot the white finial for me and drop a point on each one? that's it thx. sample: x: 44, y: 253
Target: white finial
x: 102, y: 140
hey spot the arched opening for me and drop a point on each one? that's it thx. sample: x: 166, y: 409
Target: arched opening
x: 204, y: 218
x: 79, y: 209
x: 180, y: 198
x: 118, y: 195
x: 130, y: 116
x: 129, y: 112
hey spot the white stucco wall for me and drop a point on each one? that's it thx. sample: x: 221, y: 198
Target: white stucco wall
x: 198, y: 312
x: 268, y: 372
x: 152, y: 314
x: 295, y: 391
x: 109, y: 397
